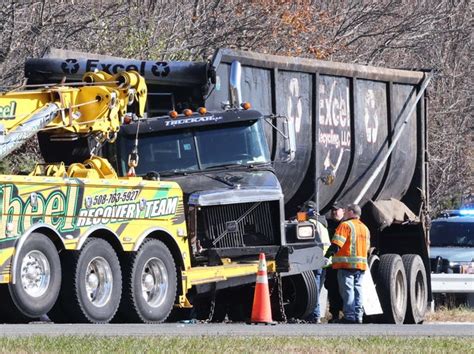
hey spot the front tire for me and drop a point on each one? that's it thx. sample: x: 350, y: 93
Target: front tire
x: 300, y: 295
x: 38, y: 280
x: 150, y: 284
x: 417, y: 288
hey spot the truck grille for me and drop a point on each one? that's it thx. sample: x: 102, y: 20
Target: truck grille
x: 239, y: 225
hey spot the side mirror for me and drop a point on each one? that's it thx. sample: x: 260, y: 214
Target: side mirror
x: 290, y: 139
x: 288, y: 132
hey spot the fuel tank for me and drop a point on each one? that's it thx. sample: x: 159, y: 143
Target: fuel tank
x: 345, y: 117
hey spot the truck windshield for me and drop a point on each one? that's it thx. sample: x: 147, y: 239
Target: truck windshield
x: 452, y: 234
x: 192, y: 150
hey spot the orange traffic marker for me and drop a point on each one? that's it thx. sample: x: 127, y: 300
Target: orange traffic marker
x: 261, y: 310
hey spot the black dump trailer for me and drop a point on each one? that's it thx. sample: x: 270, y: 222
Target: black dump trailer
x: 364, y: 126
x: 360, y: 136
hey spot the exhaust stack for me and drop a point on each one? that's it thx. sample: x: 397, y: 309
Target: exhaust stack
x: 235, y: 84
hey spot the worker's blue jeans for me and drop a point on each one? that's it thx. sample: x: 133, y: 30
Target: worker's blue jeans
x: 320, y: 275
x: 350, y: 287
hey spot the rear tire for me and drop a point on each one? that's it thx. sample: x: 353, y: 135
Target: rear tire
x: 392, y: 288
x: 38, y: 281
x: 92, y: 285
x: 150, y: 284
x: 417, y: 289
x: 300, y: 295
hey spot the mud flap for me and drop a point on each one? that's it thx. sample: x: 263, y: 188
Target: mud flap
x: 370, y: 299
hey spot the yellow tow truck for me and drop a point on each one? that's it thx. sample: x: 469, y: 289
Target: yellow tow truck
x: 80, y: 243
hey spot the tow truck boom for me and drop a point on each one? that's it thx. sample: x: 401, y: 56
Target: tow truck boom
x: 97, y: 106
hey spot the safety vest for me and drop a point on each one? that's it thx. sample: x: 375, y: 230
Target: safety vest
x: 323, y: 234
x: 353, y: 238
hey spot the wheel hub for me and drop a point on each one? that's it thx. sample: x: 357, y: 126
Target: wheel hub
x: 93, y: 281
x: 148, y: 282
x: 99, y: 281
x: 35, y: 273
x: 154, y: 282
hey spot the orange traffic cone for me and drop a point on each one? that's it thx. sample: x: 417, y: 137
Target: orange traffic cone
x: 261, y: 310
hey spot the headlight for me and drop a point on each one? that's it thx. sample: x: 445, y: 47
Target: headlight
x: 305, y: 232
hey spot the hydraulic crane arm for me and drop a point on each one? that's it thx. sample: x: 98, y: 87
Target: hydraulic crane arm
x: 97, y: 106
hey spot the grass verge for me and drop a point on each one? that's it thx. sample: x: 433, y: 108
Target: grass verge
x: 457, y: 314
x: 209, y: 344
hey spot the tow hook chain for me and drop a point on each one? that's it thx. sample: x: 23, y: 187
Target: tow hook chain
x: 280, y: 297
x: 278, y: 288
x: 273, y: 282
x: 213, y: 305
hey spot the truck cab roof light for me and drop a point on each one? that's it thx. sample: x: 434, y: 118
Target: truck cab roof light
x: 173, y: 114
x: 246, y: 105
x: 202, y: 110
x: 187, y: 112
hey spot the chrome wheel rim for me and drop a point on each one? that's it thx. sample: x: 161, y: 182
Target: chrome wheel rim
x: 99, y: 281
x: 420, y: 292
x: 35, y: 273
x: 154, y: 282
x: 399, y: 291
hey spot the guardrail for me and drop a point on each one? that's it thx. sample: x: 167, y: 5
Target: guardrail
x: 452, y: 283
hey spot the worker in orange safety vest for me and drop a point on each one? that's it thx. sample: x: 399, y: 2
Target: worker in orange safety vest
x: 349, y: 248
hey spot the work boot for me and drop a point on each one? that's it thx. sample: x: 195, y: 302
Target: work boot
x: 334, y: 318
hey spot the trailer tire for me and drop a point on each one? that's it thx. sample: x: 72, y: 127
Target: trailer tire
x: 92, y: 285
x: 392, y: 288
x: 150, y: 284
x: 417, y: 303
x: 38, y: 280
x: 300, y: 295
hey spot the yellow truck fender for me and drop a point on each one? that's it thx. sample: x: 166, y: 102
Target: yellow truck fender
x: 148, y: 232
x: 179, y: 242
x: 93, y: 230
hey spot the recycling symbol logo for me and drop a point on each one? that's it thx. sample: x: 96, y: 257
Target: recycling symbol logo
x: 160, y: 69
x: 70, y: 66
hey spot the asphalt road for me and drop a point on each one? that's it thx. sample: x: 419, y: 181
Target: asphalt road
x: 227, y: 329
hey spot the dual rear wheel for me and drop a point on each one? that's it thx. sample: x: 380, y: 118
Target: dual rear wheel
x: 402, y: 288
x: 92, y: 284
x: 93, y: 280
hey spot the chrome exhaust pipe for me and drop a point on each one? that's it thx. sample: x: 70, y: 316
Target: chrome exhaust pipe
x: 235, y: 84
